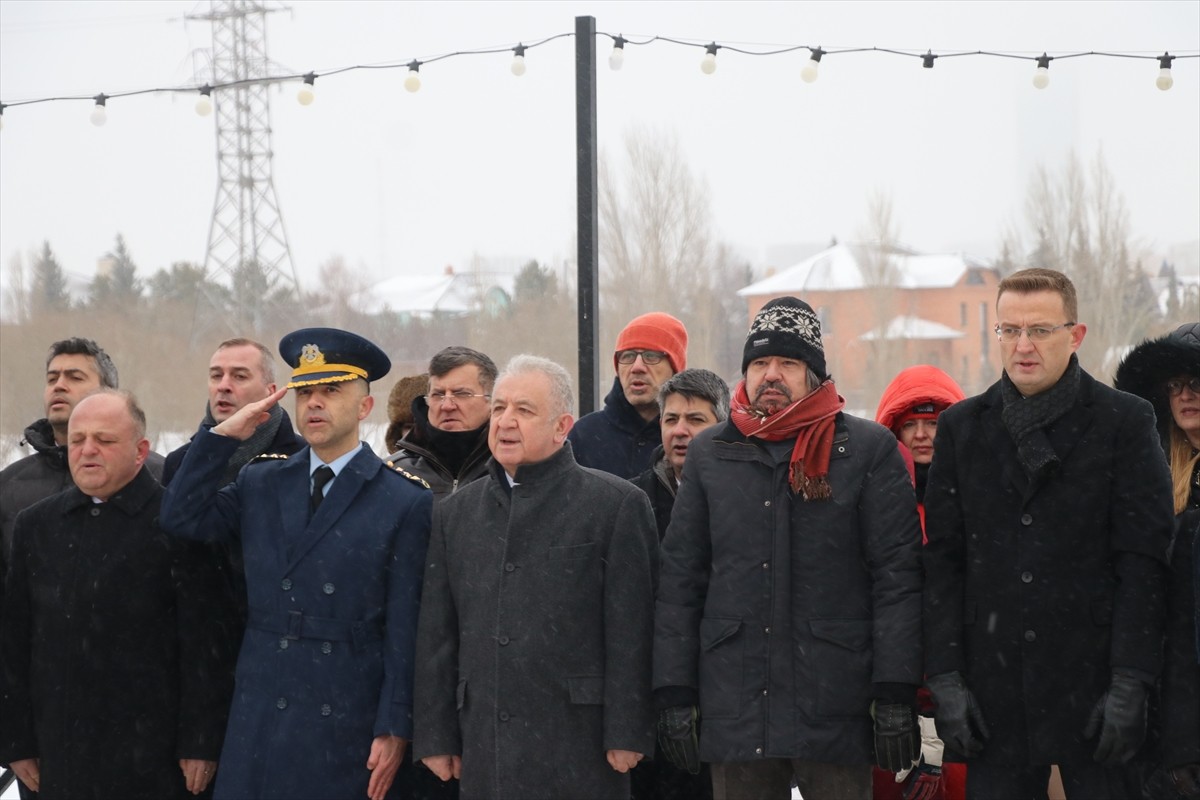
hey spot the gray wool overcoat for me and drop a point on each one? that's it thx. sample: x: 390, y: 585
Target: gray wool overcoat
x: 533, y: 650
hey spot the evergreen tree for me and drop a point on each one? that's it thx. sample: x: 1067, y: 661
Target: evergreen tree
x: 49, y: 284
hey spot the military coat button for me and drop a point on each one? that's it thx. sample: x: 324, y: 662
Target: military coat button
x: 1026, y: 577
x: 1026, y: 519
x: 326, y: 710
x: 283, y: 644
x: 326, y: 647
x: 504, y: 640
x: 95, y: 512
x: 327, y: 588
x: 1030, y: 636
x: 286, y: 584
x: 509, y: 567
x: 281, y: 703
x: 504, y: 716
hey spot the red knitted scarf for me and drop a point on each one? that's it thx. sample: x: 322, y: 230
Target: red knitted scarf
x: 809, y: 419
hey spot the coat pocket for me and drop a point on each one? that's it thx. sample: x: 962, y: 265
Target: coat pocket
x: 840, y: 665
x: 570, y: 551
x: 586, y: 691
x: 722, y: 651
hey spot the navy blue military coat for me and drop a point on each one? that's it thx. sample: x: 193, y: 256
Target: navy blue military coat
x: 327, y: 660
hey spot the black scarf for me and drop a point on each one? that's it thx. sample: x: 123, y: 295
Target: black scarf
x: 452, y: 448
x: 1028, y: 417
x: 255, y: 446
x: 922, y: 476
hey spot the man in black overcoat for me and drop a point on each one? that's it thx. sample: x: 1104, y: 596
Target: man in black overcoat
x: 1049, y: 515
x: 112, y: 665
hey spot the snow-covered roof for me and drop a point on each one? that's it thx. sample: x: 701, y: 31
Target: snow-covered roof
x: 906, y: 327
x: 842, y: 266
x: 456, y: 293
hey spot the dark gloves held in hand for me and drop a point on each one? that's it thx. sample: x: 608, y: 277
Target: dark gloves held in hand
x: 897, y: 738
x: 1120, y: 719
x: 959, y: 721
x: 679, y: 738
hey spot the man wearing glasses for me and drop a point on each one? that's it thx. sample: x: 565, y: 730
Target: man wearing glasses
x: 1049, y: 514
x: 621, y: 437
x: 448, y: 443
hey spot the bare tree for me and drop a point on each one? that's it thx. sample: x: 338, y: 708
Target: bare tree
x: 876, y: 255
x: 16, y: 296
x: 1078, y: 223
x: 657, y: 252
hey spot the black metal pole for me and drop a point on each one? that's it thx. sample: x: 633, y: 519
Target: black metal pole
x: 587, y: 220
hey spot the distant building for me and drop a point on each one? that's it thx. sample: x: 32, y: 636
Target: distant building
x: 886, y: 308
x: 426, y: 295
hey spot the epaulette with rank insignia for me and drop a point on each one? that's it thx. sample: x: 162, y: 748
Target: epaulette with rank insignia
x: 417, y: 479
x: 266, y: 457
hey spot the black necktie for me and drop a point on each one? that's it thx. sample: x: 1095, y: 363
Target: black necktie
x: 321, y: 476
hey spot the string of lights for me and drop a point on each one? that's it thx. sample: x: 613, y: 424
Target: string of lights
x: 809, y: 72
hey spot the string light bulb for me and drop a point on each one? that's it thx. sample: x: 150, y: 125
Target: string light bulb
x: 99, y: 113
x: 811, y: 69
x: 616, y: 59
x: 518, y: 62
x: 928, y: 59
x: 1041, y: 75
x: 204, y: 102
x: 413, y: 82
x: 708, y: 64
x: 1164, y: 80
x: 308, y: 90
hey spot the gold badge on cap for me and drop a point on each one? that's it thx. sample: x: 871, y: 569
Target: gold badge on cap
x: 311, y: 356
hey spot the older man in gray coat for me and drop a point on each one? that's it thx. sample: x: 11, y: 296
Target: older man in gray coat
x: 533, y: 651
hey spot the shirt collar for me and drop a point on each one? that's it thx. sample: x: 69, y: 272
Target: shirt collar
x: 336, y: 465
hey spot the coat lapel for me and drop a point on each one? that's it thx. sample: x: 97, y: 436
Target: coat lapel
x: 998, y: 440
x: 1069, y: 429
x: 342, y: 493
x: 291, y: 490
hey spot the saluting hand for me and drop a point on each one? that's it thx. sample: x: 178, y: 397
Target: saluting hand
x: 245, y: 420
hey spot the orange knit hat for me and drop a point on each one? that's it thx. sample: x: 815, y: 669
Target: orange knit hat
x: 656, y: 331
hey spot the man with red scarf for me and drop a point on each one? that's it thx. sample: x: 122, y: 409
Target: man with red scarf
x: 788, y: 623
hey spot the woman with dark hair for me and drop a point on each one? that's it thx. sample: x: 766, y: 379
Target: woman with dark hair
x: 1166, y: 371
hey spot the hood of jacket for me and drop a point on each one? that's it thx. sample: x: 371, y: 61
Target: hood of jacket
x: 913, y: 386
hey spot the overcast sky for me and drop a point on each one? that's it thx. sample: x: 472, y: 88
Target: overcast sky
x: 480, y: 162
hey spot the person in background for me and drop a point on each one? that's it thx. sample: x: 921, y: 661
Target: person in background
x: 1166, y: 371
x: 241, y: 371
x: 909, y: 408
x: 621, y: 437
x: 75, y: 368
x: 448, y: 444
x: 399, y: 408
x: 689, y: 402
x: 1048, y: 517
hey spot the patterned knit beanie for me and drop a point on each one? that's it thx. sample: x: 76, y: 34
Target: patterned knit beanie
x: 786, y: 327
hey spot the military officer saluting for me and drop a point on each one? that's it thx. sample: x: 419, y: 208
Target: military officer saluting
x: 334, y: 541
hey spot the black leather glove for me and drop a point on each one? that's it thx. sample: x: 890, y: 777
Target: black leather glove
x: 1173, y: 783
x: 897, y: 738
x: 1120, y: 719
x: 678, y: 737
x: 957, y: 716
x: 924, y: 782
x: 1186, y: 780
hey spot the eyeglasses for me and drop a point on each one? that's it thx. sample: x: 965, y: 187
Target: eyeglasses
x: 649, y: 357
x: 1037, y: 333
x: 459, y: 396
x: 1175, y: 386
